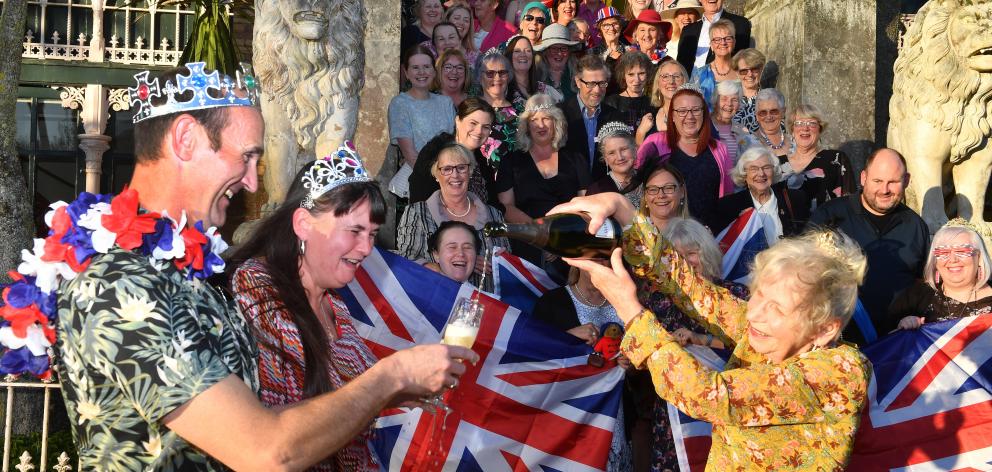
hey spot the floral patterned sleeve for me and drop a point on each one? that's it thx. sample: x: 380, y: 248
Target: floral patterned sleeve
x: 825, y: 385
x: 654, y: 259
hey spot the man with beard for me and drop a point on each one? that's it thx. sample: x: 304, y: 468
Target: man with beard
x: 894, y: 238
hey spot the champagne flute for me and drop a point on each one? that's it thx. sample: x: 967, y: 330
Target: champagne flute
x: 461, y: 330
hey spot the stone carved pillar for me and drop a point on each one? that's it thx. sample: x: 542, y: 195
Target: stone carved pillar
x: 823, y: 52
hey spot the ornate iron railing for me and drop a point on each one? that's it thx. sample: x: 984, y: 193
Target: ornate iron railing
x: 25, y: 462
x: 119, y: 31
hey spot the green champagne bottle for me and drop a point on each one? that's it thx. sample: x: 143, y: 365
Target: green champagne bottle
x: 564, y: 234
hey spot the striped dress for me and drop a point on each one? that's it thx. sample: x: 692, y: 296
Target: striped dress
x: 281, y: 361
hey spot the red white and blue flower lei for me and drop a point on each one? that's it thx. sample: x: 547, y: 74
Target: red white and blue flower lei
x: 92, y: 224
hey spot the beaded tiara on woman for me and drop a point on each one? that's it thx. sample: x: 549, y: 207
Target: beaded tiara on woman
x: 343, y: 166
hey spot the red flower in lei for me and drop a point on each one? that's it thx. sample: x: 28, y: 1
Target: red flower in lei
x: 126, y: 222
x: 193, y: 239
x: 55, y: 249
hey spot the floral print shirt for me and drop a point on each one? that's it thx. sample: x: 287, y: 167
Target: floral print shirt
x: 800, y: 414
x: 136, y: 341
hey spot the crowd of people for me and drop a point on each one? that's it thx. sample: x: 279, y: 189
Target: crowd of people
x: 654, y: 116
x: 665, y: 104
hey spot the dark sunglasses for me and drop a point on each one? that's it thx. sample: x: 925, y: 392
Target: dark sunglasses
x: 536, y: 19
x: 491, y: 74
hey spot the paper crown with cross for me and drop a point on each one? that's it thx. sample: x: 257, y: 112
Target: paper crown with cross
x: 209, y: 90
x: 343, y: 166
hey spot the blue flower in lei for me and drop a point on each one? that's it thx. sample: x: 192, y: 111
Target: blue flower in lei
x: 27, y: 292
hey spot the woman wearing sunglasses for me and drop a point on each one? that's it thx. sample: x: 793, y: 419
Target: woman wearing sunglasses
x: 534, y: 18
x: 769, y: 108
x: 955, y: 280
x: 451, y: 202
x: 494, y: 77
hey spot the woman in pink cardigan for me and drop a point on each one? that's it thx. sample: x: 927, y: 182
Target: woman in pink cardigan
x: 698, y: 154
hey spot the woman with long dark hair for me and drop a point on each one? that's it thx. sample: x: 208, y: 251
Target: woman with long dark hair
x: 285, y: 282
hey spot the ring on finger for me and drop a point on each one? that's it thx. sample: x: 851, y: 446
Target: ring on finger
x: 453, y: 384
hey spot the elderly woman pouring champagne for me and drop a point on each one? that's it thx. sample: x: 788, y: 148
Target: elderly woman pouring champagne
x: 789, y: 396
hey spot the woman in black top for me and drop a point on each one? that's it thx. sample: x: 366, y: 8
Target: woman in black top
x: 955, y: 280
x: 781, y: 210
x: 540, y: 174
x: 823, y: 174
x: 632, y: 73
x: 429, y: 14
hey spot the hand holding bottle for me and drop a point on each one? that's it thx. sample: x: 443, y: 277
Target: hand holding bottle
x: 599, y: 207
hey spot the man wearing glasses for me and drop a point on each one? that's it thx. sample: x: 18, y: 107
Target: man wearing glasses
x: 586, y: 112
x: 894, y: 238
x: 694, y: 45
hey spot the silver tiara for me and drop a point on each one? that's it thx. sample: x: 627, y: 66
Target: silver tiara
x: 343, y: 166
x: 690, y: 86
x: 541, y: 107
x: 612, y: 130
x: 211, y: 90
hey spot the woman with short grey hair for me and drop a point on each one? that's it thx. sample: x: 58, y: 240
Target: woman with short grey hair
x: 782, y: 211
x: 725, y: 102
x: 769, y: 106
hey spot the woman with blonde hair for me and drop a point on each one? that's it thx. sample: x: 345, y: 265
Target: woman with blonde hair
x: 451, y: 79
x: 749, y: 64
x: 462, y: 17
x: 540, y: 174
x: 666, y: 81
x: 791, y: 392
x: 955, y: 280
x: 453, y: 201
x: 822, y: 174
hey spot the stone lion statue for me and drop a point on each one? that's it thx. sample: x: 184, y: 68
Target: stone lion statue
x: 941, y: 107
x: 309, y: 57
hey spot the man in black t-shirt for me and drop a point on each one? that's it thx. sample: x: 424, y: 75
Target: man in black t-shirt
x: 895, y: 239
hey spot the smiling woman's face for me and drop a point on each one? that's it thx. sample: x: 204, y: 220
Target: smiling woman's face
x: 456, y: 254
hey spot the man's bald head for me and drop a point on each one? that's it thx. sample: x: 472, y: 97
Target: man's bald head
x: 884, y: 180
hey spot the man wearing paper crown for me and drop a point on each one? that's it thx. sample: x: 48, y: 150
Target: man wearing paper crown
x: 159, y: 370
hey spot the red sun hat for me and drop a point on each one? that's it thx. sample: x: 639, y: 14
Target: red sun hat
x: 651, y: 17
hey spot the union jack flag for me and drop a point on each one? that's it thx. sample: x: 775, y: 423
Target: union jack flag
x: 692, y: 436
x: 929, y: 403
x: 929, y: 400
x: 531, y: 403
x: 740, y: 242
x: 518, y: 282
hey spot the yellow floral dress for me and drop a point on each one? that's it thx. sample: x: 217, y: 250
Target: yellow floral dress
x: 800, y: 414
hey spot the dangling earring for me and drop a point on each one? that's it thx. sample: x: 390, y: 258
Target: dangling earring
x: 303, y: 247
x: 936, y: 277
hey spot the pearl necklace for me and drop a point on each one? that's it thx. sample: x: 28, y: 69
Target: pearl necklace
x: 453, y: 213
x: 578, y: 294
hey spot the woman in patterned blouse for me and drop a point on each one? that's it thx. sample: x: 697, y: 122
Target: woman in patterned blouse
x: 285, y: 285
x: 790, y: 395
x: 955, y: 280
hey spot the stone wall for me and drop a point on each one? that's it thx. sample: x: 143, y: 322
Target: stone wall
x: 382, y: 58
x: 824, y: 52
